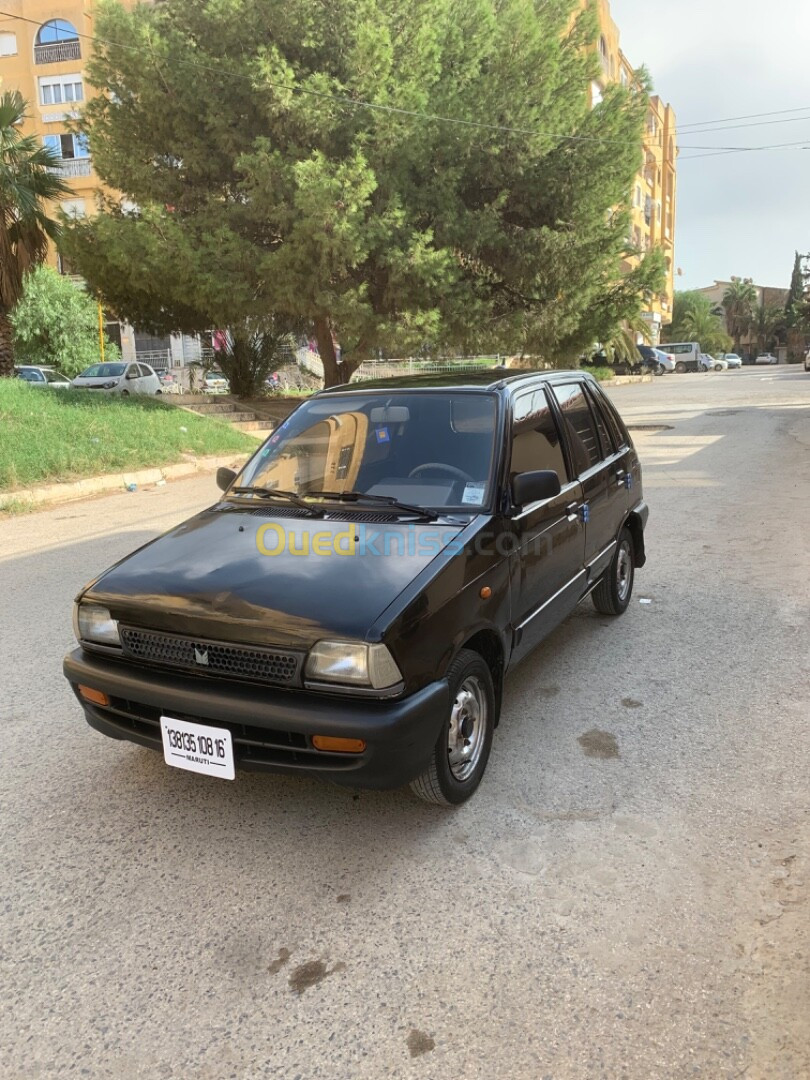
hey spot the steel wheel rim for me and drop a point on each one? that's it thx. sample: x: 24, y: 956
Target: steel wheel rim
x: 468, y: 724
x: 624, y: 571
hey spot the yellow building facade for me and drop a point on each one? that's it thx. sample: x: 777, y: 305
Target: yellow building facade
x: 653, y: 198
x: 42, y: 54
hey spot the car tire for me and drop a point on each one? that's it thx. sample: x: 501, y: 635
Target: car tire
x: 460, y: 756
x: 125, y: 393
x: 660, y: 369
x: 612, y: 595
x: 718, y: 367
x: 158, y: 392
x: 680, y: 367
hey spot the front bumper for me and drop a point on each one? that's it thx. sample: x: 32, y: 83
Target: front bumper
x: 271, y: 728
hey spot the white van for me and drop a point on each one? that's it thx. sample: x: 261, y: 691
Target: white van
x: 686, y: 353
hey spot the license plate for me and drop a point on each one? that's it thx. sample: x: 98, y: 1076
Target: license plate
x: 198, y: 748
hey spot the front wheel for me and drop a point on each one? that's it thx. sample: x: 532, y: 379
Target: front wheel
x: 680, y: 367
x: 718, y: 367
x: 125, y: 393
x: 612, y: 595
x: 462, y: 750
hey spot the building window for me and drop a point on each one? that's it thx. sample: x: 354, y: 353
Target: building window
x: 623, y: 77
x: 8, y: 44
x: 658, y: 212
x: 67, y: 147
x: 637, y: 196
x: 59, y: 89
x: 596, y: 94
x: 73, y: 208
x: 648, y: 210
x: 56, y: 41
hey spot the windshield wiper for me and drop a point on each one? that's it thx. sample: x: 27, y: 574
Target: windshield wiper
x: 277, y: 493
x: 383, y: 500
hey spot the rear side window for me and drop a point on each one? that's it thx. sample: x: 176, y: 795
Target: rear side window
x: 144, y: 370
x: 609, y: 445
x: 536, y: 440
x: 614, y: 422
x: 579, y: 424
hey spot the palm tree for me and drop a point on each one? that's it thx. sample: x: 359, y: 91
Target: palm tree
x: 699, y: 323
x: 770, y: 323
x: 28, y: 182
x: 739, y: 301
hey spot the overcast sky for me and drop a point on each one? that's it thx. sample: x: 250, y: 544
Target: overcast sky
x: 743, y: 214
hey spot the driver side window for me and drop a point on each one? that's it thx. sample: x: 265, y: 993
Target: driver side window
x: 535, y: 438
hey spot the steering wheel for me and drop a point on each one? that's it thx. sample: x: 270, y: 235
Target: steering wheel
x: 451, y: 470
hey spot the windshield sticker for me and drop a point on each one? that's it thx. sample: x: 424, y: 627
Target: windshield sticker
x: 382, y: 435
x: 473, y: 494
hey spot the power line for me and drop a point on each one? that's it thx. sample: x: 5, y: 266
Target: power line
x: 748, y: 116
x: 802, y: 144
x: 343, y: 99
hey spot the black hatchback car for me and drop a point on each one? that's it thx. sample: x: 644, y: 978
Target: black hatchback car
x: 351, y: 605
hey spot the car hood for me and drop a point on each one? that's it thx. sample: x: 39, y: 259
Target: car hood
x: 235, y: 576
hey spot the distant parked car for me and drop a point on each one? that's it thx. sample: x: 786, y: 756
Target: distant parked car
x: 766, y: 358
x: 686, y: 355
x: 215, y: 382
x: 732, y: 359
x: 807, y: 360
x: 655, y: 360
x: 711, y: 363
x: 119, y: 378
x: 42, y: 376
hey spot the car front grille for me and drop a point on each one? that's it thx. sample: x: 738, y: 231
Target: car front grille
x: 279, y: 666
x: 252, y: 746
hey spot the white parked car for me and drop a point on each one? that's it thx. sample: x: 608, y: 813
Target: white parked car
x: 119, y: 378
x: 766, y: 358
x: 807, y: 361
x: 710, y: 363
x: 42, y: 376
x: 215, y: 383
x: 732, y: 359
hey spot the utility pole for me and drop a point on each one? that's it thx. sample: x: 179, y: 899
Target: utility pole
x: 101, y: 332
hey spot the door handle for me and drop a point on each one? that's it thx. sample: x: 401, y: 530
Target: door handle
x: 572, y: 510
x: 579, y: 512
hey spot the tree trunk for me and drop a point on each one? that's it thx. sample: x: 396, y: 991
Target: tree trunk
x: 334, y: 373
x: 6, y: 346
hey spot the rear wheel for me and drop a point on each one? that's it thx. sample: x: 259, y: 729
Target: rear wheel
x: 462, y: 750
x: 660, y: 369
x: 612, y: 595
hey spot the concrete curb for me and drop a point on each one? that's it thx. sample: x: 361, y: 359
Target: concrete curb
x: 116, y: 482
x: 625, y: 380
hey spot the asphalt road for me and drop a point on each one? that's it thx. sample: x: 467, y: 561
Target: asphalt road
x: 626, y: 895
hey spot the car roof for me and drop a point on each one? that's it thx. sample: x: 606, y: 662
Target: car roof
x: 496, y: 378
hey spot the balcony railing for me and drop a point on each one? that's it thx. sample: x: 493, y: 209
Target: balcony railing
x: 57, y: 51
x: 71, y: 167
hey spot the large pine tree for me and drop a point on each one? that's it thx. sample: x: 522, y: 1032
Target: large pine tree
x: 290, y: 159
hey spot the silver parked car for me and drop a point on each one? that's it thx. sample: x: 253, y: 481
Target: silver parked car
x: 42, y: 376
x: 732, y: 359
x: 120, y: 378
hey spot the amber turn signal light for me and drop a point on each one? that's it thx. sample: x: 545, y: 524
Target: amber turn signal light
x: 338, y: 746
x: 98, y: 697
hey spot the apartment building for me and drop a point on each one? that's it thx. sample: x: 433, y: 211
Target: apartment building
x: 654, y: 190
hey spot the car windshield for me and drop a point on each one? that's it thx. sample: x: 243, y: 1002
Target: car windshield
x: 430, y: 449
x: 103, y: 371
x: 54, y: 376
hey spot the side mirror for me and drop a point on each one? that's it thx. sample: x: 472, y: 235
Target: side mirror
x: 225, y: 477
x: 531, y: 487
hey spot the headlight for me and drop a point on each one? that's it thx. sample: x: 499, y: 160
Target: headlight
x: 91, y: 622
x: 352, y: 664
x: 109, y: 385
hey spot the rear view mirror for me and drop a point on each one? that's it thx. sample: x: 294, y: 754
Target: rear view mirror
x: 531, y: 487
x: 390, y: 414
x: 225, y: 477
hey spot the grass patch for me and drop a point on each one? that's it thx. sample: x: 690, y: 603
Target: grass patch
x: 48, y: 435
x: 601, y: 373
